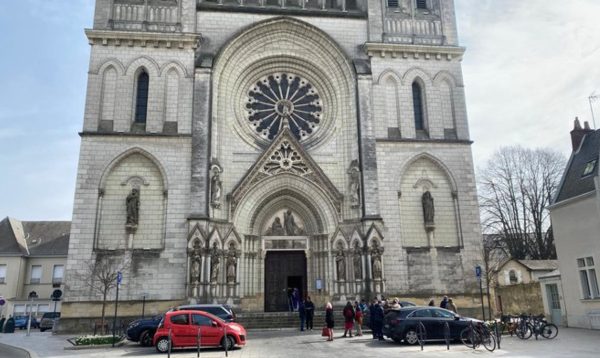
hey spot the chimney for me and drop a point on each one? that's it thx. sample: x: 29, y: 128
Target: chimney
x: 578, y: 133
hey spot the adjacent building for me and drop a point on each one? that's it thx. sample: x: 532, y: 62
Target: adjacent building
x: 576, y: 223
x: 33, y: 255
x: 514, y: 272
x: 232, y: 150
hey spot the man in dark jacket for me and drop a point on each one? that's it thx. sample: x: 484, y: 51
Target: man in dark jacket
x: 9, y: 326
x: 444, y: 303
x: 376, y: 312
x: 302, y: 314
x: 310, y: 313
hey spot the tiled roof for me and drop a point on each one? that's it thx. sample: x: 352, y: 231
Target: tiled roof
x: 540, y: 265
x: 574, y: 184
x: 35, y: 238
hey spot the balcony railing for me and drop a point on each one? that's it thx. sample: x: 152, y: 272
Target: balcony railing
x: 323, y: 7
x: 145, y: 15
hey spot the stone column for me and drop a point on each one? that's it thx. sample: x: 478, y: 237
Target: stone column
x: 368, y: 150
x: 200, y: 143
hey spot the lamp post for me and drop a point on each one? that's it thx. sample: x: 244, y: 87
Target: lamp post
x: 32, y: 295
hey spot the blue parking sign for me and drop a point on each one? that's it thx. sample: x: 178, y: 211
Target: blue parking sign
x: 119, y: 277
x: 478, y: 271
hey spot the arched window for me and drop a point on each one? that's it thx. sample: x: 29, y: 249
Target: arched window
x: 418, y: 106
x: 512, y: 276
x: 141, y: 97
x: 422, y: 4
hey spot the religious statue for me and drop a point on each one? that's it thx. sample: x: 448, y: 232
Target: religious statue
x: 231, y: 264
x: 428, y: 209
x: 291, y: 229
x: 354, y: 173
x: 216, y: 187
x: 340, y: 263
x: 214, y: 263
x: 276, y: 228
x: 377, y: 268
x: 357, y: 261
x: 133, y: 207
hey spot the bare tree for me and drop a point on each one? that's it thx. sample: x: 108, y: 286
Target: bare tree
x: 101, y: 277
x: 516, y: 187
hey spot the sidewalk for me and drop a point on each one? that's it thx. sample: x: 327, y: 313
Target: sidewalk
x: 295, y: 344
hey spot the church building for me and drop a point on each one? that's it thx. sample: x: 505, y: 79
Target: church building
x: 234, y: 150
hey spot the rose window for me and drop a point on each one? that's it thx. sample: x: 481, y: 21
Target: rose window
x: 278, y: 97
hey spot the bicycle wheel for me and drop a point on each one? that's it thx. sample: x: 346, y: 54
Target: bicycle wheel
x: 488, y: 340
x: 466, y: 337
x: 549, y: 330
x: 524, y: 331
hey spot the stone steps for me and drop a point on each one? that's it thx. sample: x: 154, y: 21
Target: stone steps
x: 277, y: 320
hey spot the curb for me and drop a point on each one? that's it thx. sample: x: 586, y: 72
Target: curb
x: 29, y: 353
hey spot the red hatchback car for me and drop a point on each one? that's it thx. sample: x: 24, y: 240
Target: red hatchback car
x: 184, y: 326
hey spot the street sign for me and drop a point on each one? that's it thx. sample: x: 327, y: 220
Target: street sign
x: 119, y: 278
x: 478, y: 272
x: 56, y: 295
x: 2, y: 301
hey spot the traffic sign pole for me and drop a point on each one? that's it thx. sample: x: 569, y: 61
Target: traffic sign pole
x: 119, y: 279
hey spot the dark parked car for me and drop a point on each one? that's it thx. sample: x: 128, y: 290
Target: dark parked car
x: 401, y: 325
x: 21, y: 322
x: 142, y: 330
x: 224, y: 312
x: 367, y: 314
x: 48, y: 320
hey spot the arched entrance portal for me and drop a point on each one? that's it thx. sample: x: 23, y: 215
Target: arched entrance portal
x: 285, y: 279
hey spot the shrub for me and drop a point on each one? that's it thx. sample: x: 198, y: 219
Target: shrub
x: 96, y: 340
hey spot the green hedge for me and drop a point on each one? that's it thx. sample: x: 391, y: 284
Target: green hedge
x: 96, y: 340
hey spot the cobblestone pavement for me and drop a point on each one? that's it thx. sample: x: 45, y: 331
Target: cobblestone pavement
x: 294, y: 344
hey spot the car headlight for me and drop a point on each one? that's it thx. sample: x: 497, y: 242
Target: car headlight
x: 133, y: 325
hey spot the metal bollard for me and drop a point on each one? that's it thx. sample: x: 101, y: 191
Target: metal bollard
x: 225, y: 340
x: 198, y: 344
x: 447, y: 335
x: 472, y: 334
x: 498, y: 335
x: 421, y: 334
x: 169, y: 351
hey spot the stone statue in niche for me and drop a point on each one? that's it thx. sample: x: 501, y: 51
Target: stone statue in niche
x: 216, y: 186
x: 276, y: 228
x: 376, y: 252
x: 133, y: 208
x: 291, y: 228
x: 354, y: 189
x: 214, y: 263
x: 340, y: 263
x: 357, y: 261
x: 231, y: 264
x: 196, y: 261
x: 428, y: 209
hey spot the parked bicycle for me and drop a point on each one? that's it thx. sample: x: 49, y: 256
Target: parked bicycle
x: 477, y: 334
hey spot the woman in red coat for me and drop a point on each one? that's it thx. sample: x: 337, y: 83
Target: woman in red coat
x: 348, y: 318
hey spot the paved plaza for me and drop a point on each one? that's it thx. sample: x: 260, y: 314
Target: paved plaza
x: 294, y: 344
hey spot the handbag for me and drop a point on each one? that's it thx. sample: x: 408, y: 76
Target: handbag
x: 325, y: 332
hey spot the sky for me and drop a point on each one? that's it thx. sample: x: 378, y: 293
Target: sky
x: 529, y: 69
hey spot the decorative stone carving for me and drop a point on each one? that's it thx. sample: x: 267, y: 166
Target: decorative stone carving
x: 231, y: 264
x: 214, y: 263
x: 357, y: 261
x: 291, y: 228
x: 340, y: 263
x: 133, y: 209
x: 216, y: 186
x: 195, y: 262
x: 377, y: 268
x: 281, y: 96
x: 276, y: 228
x: 428, y: 211
x: 354, y: 190
x: 286, y: 159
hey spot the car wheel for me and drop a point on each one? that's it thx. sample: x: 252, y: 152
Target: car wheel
x: 230, y: 343
x: 42, y: 329
x: 146, y: 339
x: 396, y: 339
x: 162, y: 345
x: 411, y: 337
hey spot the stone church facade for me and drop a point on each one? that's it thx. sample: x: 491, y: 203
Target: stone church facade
x: 232, y: 150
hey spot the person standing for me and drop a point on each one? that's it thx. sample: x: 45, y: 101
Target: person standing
x: 452, y: 306
x: 376, y: 312
x: 310, y: 313
x: 348, y: 313
x: 358, y: 317
x: 444, y: 303
x: 302, y: 314
x: 295, y: 298
x: 329, y: 322
x: 431, y: 303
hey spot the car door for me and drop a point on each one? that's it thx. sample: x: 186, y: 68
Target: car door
x: 180, y: 330
x: 424, y: 316
x: 209, y: 335
x: 441, y: 317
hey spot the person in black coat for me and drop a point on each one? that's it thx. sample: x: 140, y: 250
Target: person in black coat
x: 376, y: 312
x: 329, y: 322
x: 9, y: 326
x: 310, y: 313
x: 302, y: 314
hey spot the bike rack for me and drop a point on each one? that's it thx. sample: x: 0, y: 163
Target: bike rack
x: 170, y: 344
x: 472, y: 326
x: 198, y: 343
x: 447, y: 335
x: 421, y: 334
x: 498, y: 335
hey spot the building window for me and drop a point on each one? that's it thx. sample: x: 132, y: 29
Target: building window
x: 2, y: 274
x: 418, y: 106
x: 141, y: 98
x: 587, y: 275
x: 589, y: 168
x: 36, y: 274
x: 57, y: 274
x: 422, y: 4
x: 512, y: 277
x: 392, y: 3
